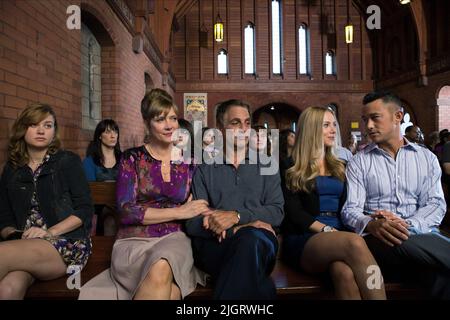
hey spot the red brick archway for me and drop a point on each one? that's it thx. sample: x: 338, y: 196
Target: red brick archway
x: 443, y: 104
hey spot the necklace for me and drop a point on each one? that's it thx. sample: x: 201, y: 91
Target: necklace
x: 159, y: 156
x: 38, y: 162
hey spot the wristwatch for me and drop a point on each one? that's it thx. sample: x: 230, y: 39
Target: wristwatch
x: 327, y: 229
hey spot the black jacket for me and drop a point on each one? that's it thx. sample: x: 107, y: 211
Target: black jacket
x: 62, y: 190
x: 301, y: 208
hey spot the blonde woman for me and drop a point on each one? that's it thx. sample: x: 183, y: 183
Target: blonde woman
x: 314, y: 238
x: 45, y: 206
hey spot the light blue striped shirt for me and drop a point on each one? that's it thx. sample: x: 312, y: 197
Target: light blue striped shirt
x: 409, y: 186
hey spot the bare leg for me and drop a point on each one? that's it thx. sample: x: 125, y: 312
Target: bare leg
x: 344, y: 282
x: 15, y: 285
x: 325, y: 248
x: 23, y: 260
x: 175, y: 293
x: 157, y: 284
x: 35, y: 256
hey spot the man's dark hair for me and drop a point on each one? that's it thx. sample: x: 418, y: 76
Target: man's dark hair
x: 408, y: 129
x: 222, y: 108
x: 385, y: 96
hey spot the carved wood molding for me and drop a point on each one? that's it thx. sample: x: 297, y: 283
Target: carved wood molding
x: 437, y: 65
x: 398, y: 79
x: 171, y: 80
x: 275, y: 86
x: 151, y: 49
x: 124, y: 13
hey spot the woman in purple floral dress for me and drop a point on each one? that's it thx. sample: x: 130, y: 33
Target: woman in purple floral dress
x: 152, y: 257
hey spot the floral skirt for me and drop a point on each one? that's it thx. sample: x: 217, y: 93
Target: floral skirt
x: 73, y: 252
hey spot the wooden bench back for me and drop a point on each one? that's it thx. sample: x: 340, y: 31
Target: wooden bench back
x: 103, y: 193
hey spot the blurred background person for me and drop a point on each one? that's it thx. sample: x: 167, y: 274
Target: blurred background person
x: 103, y: 153
x: 102, y: 164
x: 353, y: 143
x: 287, y: 141
x: 184, y: 139
x: 260, y: 142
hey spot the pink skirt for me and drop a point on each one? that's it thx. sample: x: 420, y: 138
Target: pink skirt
x: 131, y: 260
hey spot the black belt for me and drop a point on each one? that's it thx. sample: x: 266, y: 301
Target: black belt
x: 328, y: 214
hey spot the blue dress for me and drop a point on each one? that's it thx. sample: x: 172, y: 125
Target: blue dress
x: 329, y: 190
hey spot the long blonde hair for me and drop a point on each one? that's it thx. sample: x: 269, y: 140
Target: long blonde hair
x: 32, y: 114
x: 309, y: 148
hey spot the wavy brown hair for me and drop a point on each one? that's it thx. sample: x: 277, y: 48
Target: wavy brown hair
x: 309, y: 149
x: 17, y: 147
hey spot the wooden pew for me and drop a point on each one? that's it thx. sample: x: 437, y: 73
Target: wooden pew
x: 290, y: 283
x: 103, y: 195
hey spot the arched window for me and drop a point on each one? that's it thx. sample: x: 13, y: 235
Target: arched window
x: 91, y: 79
x: 249, y: 39
x: 276, y: 37
x: 303, y: 49
x: 222, y: 62
x: 330, y: 63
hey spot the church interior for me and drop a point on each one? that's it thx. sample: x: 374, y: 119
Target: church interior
x: 96, y: 59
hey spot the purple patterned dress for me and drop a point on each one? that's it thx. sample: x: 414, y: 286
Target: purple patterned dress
x: 140, y: 185
x: 73, y: 252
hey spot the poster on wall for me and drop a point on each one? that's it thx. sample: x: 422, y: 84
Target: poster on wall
x: 195, y: 107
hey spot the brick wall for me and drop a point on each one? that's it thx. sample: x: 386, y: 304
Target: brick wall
x: 423, y: 101
x: 40, y: 61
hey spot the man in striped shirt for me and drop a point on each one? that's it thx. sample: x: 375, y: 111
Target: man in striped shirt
x: 395, y: 199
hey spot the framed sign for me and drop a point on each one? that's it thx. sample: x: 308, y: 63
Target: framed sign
x: 195, y: 107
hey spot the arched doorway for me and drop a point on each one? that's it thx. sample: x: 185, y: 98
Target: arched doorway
x: 443, y: 104
x: 409, y: 117
x: 277, y: 116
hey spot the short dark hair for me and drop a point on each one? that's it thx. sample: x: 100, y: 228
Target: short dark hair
x: 222, y: 107
x: 185, y: 124
x: 408, y: 129
x: 385, y: 96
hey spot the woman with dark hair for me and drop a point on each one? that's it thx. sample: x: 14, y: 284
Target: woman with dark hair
x: 103, y: 154
x: 209, y: 147
x: 260, y: 142
x: 287, y: 141
x: 185, y: 140
x: 45, y: 206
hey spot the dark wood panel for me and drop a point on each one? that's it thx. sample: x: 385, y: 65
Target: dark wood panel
x: 274, y: 86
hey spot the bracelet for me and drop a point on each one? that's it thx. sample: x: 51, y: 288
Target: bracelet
x: 238, y: 216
